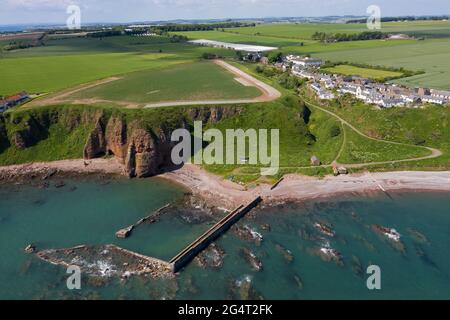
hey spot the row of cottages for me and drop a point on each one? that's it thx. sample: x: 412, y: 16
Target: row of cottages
x: 434, y: 96
x: 9, y: 102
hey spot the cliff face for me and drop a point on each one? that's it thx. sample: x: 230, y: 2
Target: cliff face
x: 144, y: 151
x: 139, y: 140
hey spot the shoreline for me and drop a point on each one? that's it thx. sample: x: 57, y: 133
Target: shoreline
x: 226, y: 194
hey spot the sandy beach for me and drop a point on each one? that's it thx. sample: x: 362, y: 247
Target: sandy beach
x: 223, y: 193
x: 298, y: 188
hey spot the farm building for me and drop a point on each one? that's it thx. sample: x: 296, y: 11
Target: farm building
x: 3, y: 105
x: 233, y: 46
x: 304, y: 62
x: 12, y: 101
x: 264, y: 60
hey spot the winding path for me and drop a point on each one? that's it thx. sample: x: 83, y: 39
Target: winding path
x: 435, y: 153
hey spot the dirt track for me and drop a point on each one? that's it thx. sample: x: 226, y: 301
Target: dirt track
x: 61, y: 96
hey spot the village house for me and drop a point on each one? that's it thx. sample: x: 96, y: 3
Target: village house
x: 264, y: 60
x: 299, y: 72
x: 384, y: 95
x: 253, y: 56
x: 305, y: 62
x: 322, y: 93
x: 440, y: 94
x: 12, y: 101
x: 435, y: 100
x: 3, y: 105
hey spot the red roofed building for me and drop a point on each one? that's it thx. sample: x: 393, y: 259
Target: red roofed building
x: 14, y: 100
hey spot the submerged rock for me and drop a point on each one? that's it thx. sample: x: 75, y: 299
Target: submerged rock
x: 248, y: 234
x: 298, y: 281
x: 251, y: 259
x: 328, y: 254
x: 417, y: 236
x: 243, y: 289
x: 211, y: 257
x: 392, y: 236
x: 420, y: 252
x: 324, y: 229
x: 357, y: 267
x: 30, y: 248
x: 287, y: 254
x: 60, y: 184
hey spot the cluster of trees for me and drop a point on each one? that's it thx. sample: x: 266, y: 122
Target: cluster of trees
x: 284, y: 79
x: 340, y: 37
x: 17, y: 45
x: 200, y: 26
x: 275, y: 57
x: 178, y: 38
x: 210, y: 56
x: 106, y: 33
x: 21, y: 45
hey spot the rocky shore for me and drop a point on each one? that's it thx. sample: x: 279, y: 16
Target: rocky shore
x: 221, y: 193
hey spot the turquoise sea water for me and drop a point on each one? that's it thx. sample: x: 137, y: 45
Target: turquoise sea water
x: 89, y: 211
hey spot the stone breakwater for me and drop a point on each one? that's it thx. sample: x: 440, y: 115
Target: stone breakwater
x: 107, y: 261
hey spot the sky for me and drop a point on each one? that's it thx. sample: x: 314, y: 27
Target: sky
x: 54, y: 11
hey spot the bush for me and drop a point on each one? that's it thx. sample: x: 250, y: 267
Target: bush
x: 335, y: 131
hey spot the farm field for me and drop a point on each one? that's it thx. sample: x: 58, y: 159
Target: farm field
x: 431, y: 29
x: 431, y: 56
x: 376, y: 74
x: 188, y: 81
x: 69, y: 62
x: 226, y: 36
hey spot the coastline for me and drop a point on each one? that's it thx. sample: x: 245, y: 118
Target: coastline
x: 226, y: 194
x: 44, y: 170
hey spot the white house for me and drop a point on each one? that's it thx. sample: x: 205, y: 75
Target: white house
x: 440, y: 94
x: 435, y: 100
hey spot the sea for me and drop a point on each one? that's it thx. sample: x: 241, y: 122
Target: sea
x: 275, y: 252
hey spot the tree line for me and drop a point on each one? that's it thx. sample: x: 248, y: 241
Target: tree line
x: 200, y: 26
x: 340, y: 37
x: 407, y: 18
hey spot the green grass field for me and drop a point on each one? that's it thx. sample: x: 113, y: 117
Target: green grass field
x: 434, y: 29
x: 363, y: 72
x: 66, y: 63
x: 430, y: 55
x: 190, y: 81
x: 359, y: 149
